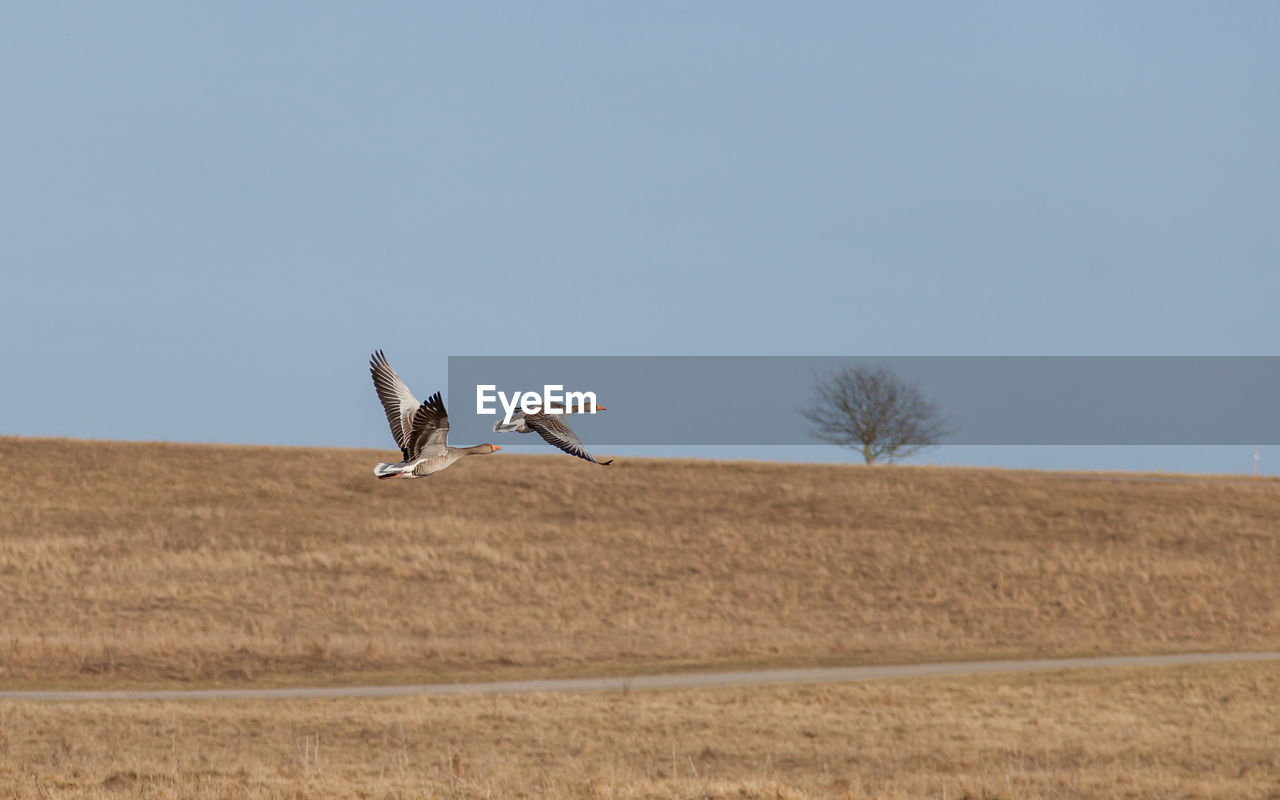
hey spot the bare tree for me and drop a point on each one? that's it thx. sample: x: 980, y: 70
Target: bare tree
x: 874, y: 412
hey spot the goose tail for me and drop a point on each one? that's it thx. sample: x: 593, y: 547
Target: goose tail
x: 385, y: 470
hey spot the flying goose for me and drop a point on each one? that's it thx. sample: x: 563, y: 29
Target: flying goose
x: 553, y: 430
x: 420, y: 429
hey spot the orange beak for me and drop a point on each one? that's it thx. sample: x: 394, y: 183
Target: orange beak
x: 495, y: 447
x: 599, y: 408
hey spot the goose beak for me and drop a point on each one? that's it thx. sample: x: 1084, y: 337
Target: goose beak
x: 599, y: 408
x: 495, y: 448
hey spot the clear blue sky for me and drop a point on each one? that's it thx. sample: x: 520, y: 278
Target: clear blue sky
x: 212, y: 213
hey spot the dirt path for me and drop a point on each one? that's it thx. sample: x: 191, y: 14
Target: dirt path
x: 707, y: 680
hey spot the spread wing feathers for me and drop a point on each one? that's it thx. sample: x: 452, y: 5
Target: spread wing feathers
x: 430, y: 428
x: 397, y: 400
x: 554, y: 431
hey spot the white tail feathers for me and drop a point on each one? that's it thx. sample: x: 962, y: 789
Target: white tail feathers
x: 503, y: 427
x: 385, y: 470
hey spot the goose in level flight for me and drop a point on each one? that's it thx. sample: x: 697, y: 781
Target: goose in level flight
x: 421, y: 430
x: 552, y: 428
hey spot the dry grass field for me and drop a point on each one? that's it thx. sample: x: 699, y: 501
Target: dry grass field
x: 163, y: 564
x: 1202, y: 732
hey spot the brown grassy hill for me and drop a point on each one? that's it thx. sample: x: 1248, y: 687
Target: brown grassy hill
x: 130, y: 563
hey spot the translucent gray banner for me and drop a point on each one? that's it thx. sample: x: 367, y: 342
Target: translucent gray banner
x: 987, y: 400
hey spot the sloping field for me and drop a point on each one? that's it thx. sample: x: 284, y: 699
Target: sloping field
x: 128, y: 564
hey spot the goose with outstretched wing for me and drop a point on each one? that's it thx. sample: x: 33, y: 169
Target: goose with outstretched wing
x: 552, y: 428
x: 421, y: 430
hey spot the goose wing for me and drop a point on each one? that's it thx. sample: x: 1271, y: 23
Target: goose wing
x: 397, y: 401
x: 429, y: 431
x: 554, y: 431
